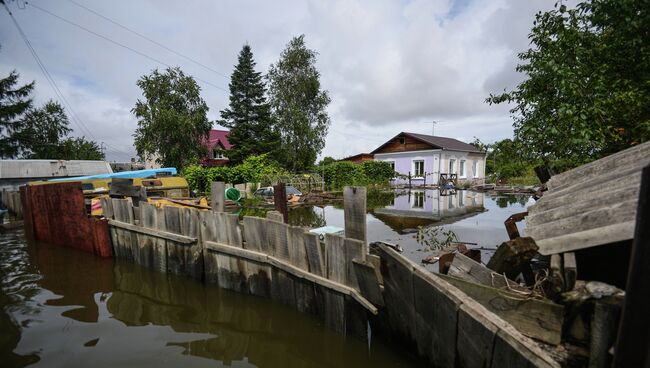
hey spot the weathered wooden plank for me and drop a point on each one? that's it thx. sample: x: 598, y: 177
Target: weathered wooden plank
x: 208, y: 230
x: 336, y: 267
x: 368, y: 282
x: 398, y: 293
x: 570, y: 271
x: 277, y: 232
x: 107, y: 207
x: 288, y: 268
x: 193, y: 253
x: 146, y: 242
x: 314, y: 255
x: 275, y: 216
x: 334, y: 310
x: 476, y: 333
x: 259, y: 275
x: 376, y: 263
x: 230, y: 233
x: 354, y: 202
x: 604, y: 326
x: 217, y: 196
x: 154, y: 232
x: 608, y: 234
x: 509, y: 352
x: 468, y: 269
x: 282, y: 287
x: 535, y: 318
x: 123, y: 211
x: 354, y: 250
x: 556, y: 276
x: 433, y: 318
x: 356, y: 320
x: 297, y: 251
x: 595, y: 218
x: 174, y: 249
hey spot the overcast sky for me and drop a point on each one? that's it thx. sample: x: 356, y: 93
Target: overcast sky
x: 389, y: 66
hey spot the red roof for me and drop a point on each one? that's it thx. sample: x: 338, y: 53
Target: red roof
x: 219, y: 137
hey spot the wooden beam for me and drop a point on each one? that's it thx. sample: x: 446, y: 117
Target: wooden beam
x: 157, y: 233
x: 217, y: 196
x: 535, y: 318
x: 280, y: 201
x: 354, y: 202
x: 289, y: 268
x: 468, y: 269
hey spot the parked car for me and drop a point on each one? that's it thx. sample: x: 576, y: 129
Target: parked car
x: 267, y: 192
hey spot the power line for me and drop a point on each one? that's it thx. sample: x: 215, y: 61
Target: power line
x: 43, y: 68
x: 116, y: 42
x: 148, y: 39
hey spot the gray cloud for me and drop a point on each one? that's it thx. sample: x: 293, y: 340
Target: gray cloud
x: 389, y: 66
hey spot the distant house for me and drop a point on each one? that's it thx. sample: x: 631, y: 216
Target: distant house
x: 357, y: 159
x: 426, y: 157
x: 217, y: 145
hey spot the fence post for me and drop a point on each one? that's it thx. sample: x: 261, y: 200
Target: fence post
x: 280, y: 200
x: 354, y: 213
x: 217, y: 196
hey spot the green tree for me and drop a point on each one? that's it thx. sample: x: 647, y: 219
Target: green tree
x: 41, y: 132
x: 298, y: 105
x: 14, y: 103
x: 81, y: 149
x: 172, y: 120
x: 248, y: 116
x: 587, y: 87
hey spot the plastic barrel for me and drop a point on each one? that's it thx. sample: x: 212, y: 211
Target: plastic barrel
x: 233, y: 194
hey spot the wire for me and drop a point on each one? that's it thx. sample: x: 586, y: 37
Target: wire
x: 115, y: 42
x: 46, y: 73
x: 148, y: 39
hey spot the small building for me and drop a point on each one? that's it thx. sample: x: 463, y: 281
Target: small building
x: 428, y: 159
x: 359, y: 158
x: 15, y: 173
x: 217, y: 145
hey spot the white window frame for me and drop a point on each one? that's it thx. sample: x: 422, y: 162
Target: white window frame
x: 452, y: 166
x: 415, y: 164
x: 477, y: 165
x: 462, y: 169
x: 413, y: 200
x: 217, y: 154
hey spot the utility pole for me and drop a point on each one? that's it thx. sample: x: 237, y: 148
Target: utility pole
x: 433, y: 125
x: 102, y: 147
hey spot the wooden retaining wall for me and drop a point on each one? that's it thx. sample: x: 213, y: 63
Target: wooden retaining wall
x: 264, y: 257
x: 11, y: 200
x: 443, y: 324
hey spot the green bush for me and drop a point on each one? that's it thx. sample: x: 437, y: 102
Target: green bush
x: 342, y: 173
x: 253, y: 170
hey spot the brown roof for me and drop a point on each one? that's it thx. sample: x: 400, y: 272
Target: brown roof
x: 436, y: 142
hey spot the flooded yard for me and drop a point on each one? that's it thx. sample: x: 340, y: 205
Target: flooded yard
x: 64, y: 308
x: 396, y: 216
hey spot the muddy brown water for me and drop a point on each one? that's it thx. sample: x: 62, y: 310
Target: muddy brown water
x: 65, y: 308
x: 61, y: 307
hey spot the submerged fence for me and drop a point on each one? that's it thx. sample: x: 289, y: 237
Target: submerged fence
x: 338, y: 280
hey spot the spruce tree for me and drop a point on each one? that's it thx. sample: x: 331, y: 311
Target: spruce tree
x: 14, y: 103
x: 248, y: 116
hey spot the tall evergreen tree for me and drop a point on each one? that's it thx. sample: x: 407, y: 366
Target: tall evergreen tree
x: 298, y: 105
x: 14, y: 103
x: 248, y: 116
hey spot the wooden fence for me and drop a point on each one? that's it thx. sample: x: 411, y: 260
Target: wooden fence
x: 443, y: 324
x: 264, y: 257
x: 11, y: 200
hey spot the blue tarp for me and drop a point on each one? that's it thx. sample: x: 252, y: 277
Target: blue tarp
x: 150, y: 173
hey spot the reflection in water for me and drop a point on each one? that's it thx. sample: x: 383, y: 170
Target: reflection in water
x: 413, y: 208
x: 61, y: 307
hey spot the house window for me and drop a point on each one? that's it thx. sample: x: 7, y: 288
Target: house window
x: 418, y: 200
x: 462, y: 169
x: 452, y: 166
x: 401, y: 140
x: 392, y: 165
x: 476, y: 168
x: 217, y: 154
x: 418, y: 168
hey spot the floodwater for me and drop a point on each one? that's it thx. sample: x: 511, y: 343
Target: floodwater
x: 475, y: 218
x: 61, y: 307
